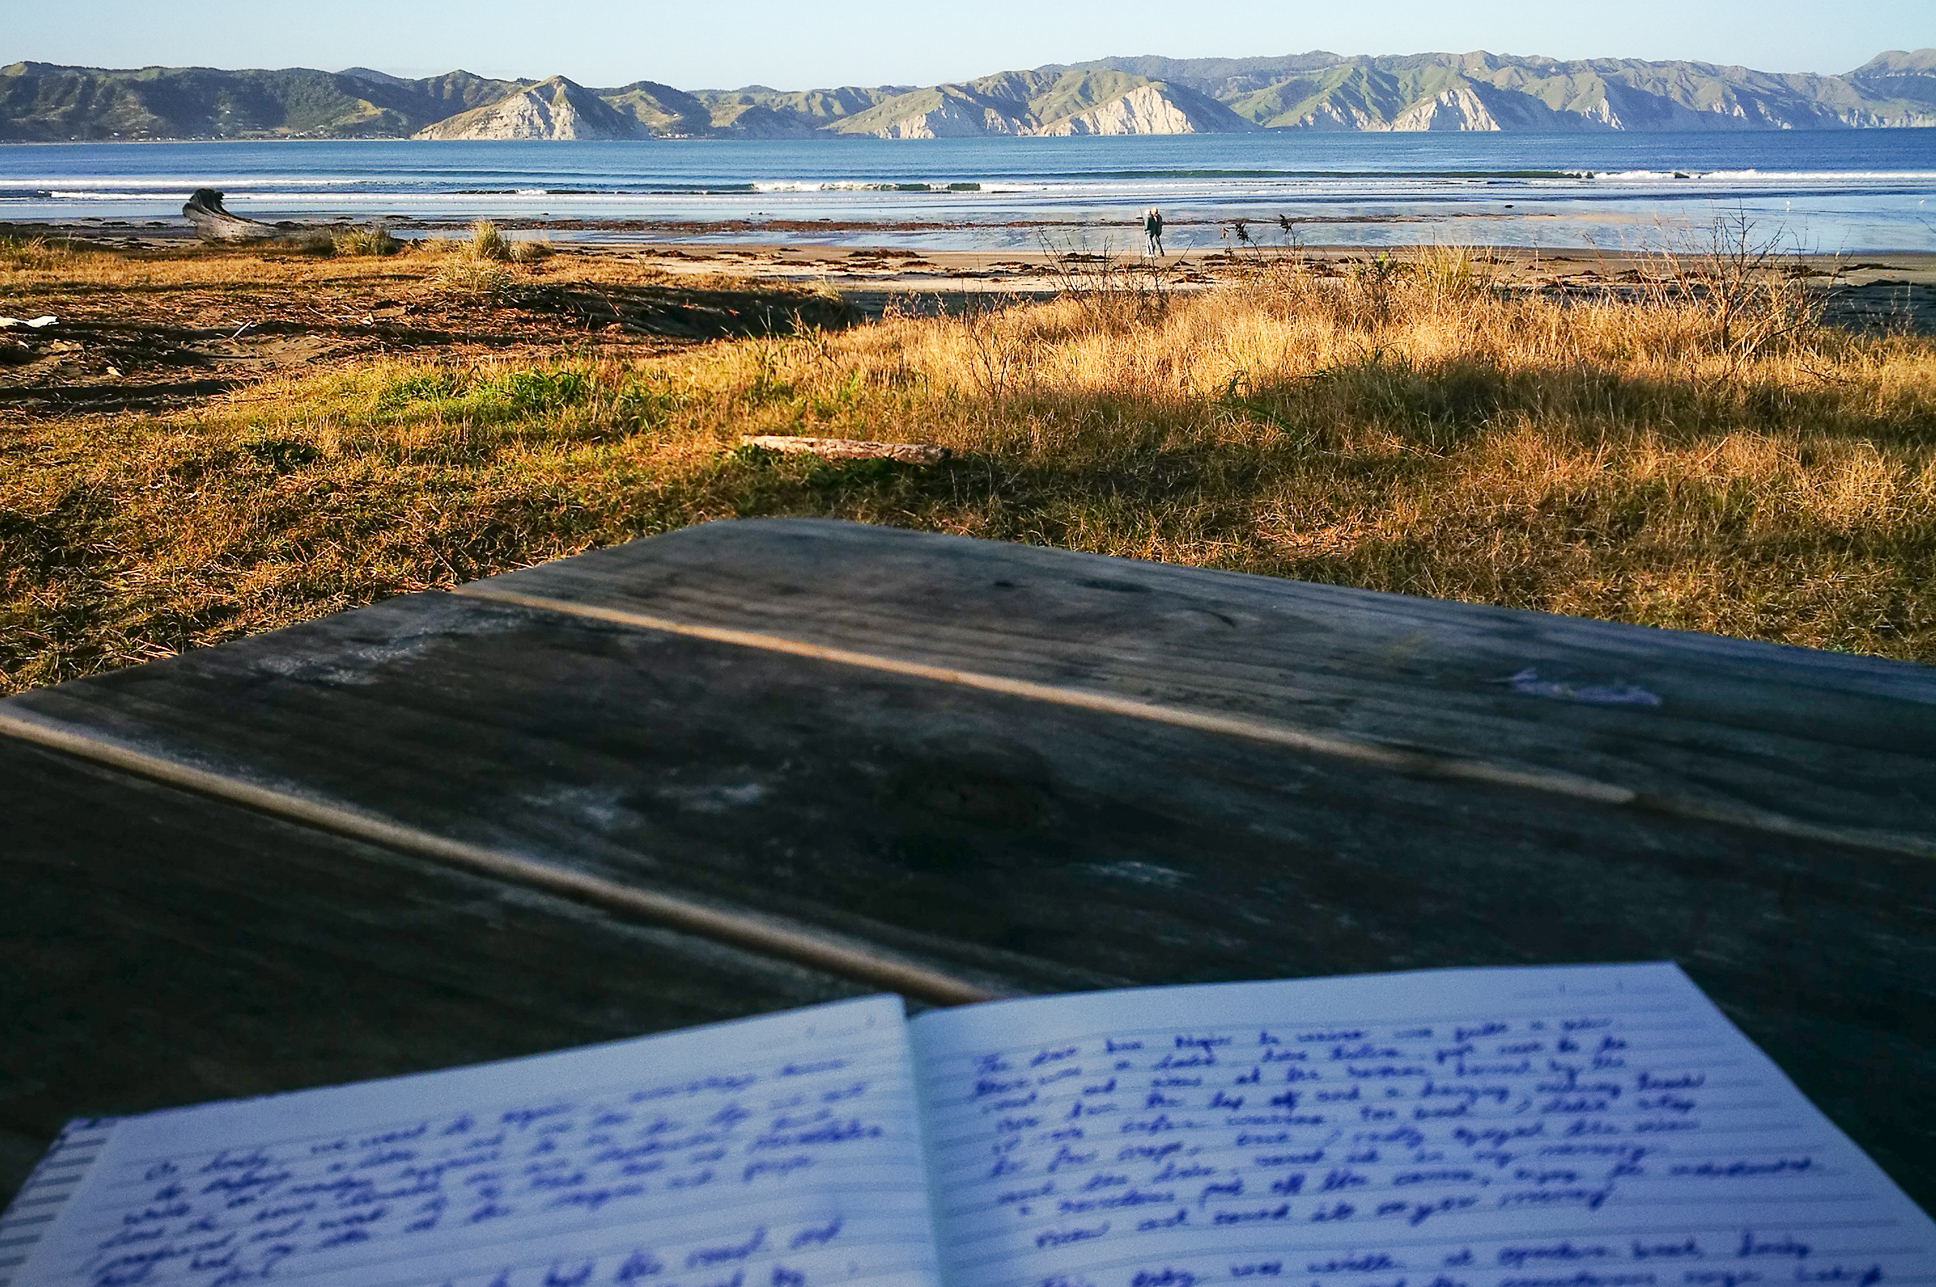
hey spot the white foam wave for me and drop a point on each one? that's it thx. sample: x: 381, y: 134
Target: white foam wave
x: 1798, y: 178
x: 179, y: 183
x: 953, y: 186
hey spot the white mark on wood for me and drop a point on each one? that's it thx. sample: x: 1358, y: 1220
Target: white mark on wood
x: 1528, y: 683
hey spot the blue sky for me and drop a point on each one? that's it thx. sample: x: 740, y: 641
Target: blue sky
x: 797, y: 44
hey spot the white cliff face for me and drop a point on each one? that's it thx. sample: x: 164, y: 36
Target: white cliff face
x: 1453, y: 109
x: 1143, y: 110
x: 1603, y: 114
x: 1871, y: 120
x: 1330, y: 116
x: 1147, y: 109
x: 555, y: 109
x: 530, y: 117
x: 953, y: 119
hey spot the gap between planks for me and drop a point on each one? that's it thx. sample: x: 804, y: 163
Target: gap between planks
x: 746, y: 930
x: 1396, y: 759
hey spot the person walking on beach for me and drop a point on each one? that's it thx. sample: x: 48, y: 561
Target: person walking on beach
x: 1153, y: 231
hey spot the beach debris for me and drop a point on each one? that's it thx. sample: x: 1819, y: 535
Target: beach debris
x: 693, y: 313
x: 908, y: 453
x: 14, y: 352
x: 213, y: 223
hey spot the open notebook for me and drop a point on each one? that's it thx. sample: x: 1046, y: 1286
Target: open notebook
x: 1594, y: 1126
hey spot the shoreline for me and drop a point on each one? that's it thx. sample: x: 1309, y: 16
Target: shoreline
x: 766, y: 235
x: 1870, y: 283
x: 1577, y: 226
x: 1573, y: 191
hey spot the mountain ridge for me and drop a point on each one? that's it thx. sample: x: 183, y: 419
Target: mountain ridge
x: 1149, y: 94
x: 555, y: 108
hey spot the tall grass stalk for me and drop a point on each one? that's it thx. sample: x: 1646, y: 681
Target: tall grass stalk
x: 487, y: 242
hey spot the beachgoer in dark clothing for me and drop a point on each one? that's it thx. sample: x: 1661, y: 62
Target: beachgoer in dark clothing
x: 1153, y: 231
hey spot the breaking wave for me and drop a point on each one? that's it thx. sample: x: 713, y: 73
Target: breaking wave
x: 1850, y: 189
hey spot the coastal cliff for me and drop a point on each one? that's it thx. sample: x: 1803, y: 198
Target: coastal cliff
x: 1148, y: 95
x: 1046, y: 103
x: 1482, y: 91
x: 552, y: 109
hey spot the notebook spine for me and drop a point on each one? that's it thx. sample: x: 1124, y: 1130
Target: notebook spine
x: 55, y: 1179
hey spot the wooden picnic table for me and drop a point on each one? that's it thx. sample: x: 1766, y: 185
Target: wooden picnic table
x: 758, y: 764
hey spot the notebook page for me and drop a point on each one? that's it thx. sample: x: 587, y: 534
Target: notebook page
x: 1598, y: 1126
x: 55, y: 1179
x: 773, y: 1152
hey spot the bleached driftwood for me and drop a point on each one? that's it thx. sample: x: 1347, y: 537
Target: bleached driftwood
x: 911, y: 453
x: 213, y: 223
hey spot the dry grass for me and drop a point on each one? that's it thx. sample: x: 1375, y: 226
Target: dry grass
x: 366, y: 241
x: 475, y: 276
x: 1405, y: 428
x: 41, y: 267
x: 487, y: 242
x: 528, y: 250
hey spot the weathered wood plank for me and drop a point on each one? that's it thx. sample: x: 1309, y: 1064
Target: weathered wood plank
x: 1750, y: 729
x: 159, y: 948
x: 1053, y: 844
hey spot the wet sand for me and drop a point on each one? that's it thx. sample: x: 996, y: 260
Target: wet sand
x: 1866, y: 291
x: 791, y: 249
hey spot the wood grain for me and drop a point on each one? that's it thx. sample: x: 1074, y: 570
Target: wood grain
x: 158, y: 948
x: 1050, y: 844
x: 1743, y: 730
x: 847, y: 959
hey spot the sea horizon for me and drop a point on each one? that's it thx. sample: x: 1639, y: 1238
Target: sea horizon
x: 1828, y: 192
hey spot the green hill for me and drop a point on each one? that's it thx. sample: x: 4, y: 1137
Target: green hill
x: 41, y: 102
x: 1311, y: 91
x: 1482, y: 91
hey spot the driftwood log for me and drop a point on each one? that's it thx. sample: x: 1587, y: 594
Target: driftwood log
x: 213, y: 223
x: 909, y: 453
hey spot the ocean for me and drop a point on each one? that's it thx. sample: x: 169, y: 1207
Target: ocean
x: 1843, y: 191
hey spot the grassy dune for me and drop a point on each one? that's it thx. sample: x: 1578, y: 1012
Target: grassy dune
x: 1712, y: 461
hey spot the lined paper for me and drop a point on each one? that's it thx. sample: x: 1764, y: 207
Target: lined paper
x: 55, y: 1179
x: 1538, y: 1127
x: 773, y: 1152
